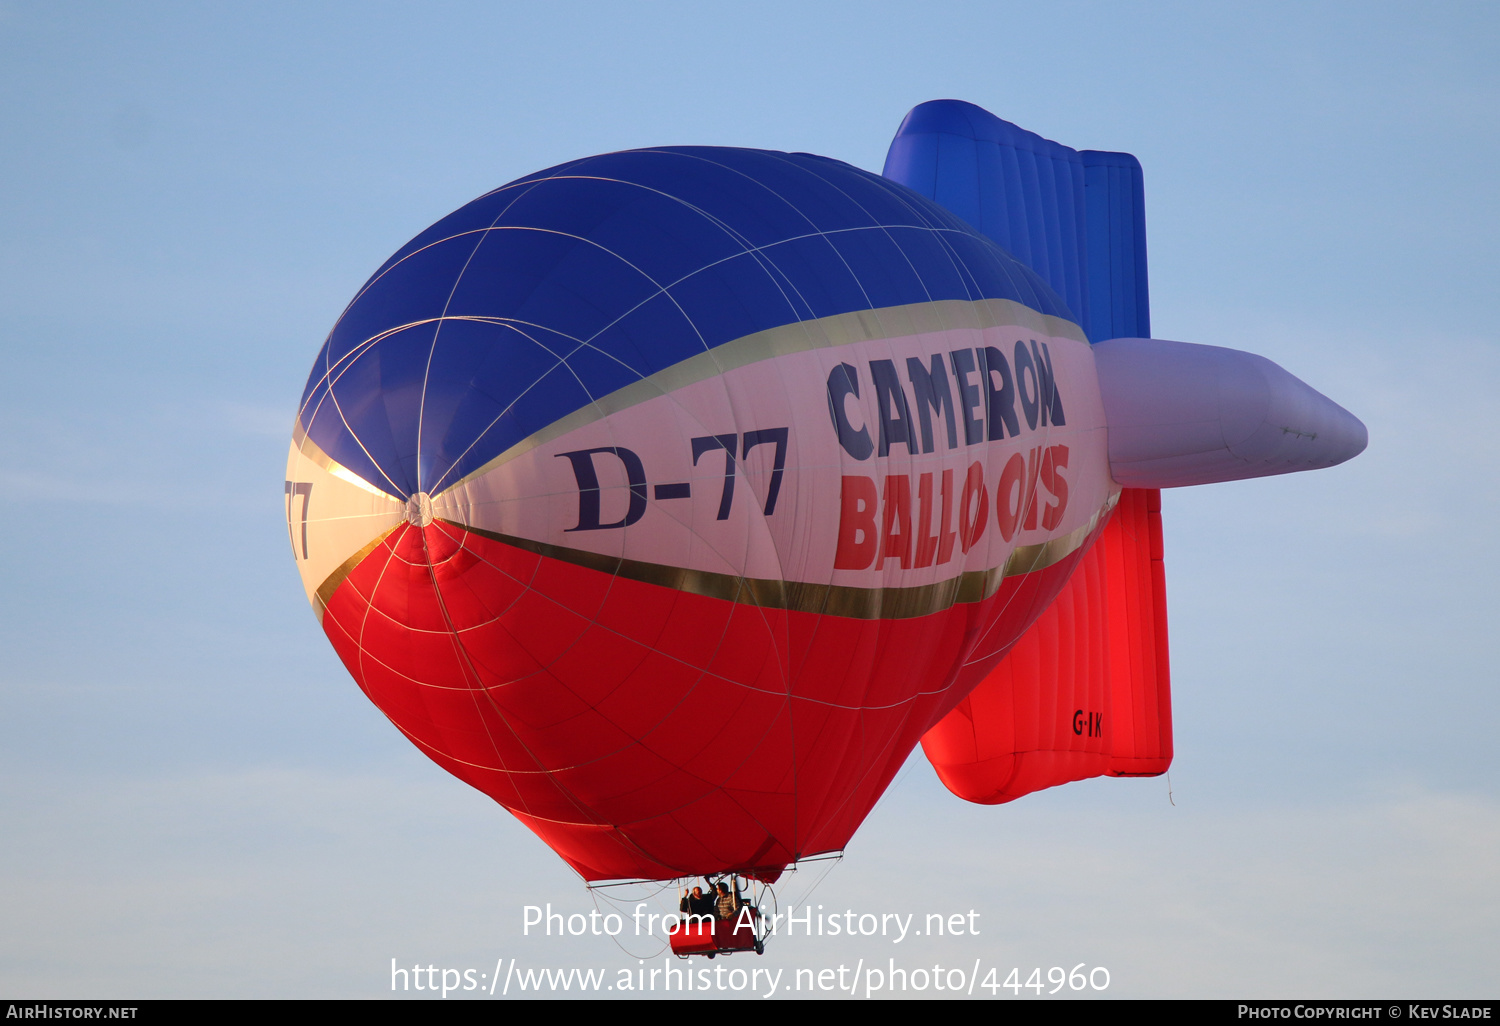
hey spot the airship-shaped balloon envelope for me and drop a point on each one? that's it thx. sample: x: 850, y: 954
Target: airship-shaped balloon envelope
x: 670, y: 497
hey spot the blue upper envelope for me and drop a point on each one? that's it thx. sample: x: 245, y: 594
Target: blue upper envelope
x: 560, y: 288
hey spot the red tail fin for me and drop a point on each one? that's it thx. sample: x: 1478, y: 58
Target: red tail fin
x: 1085, y: 692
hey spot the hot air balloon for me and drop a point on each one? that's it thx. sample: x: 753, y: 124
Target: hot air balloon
x: 671, y: 496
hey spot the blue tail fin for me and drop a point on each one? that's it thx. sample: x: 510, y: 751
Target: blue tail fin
x: 1075, y: 217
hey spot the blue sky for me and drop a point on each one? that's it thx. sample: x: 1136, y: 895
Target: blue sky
x: 198, y: 801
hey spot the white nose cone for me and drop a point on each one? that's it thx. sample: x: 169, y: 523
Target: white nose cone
x: 419, y: 509
x: 1182, y: 414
